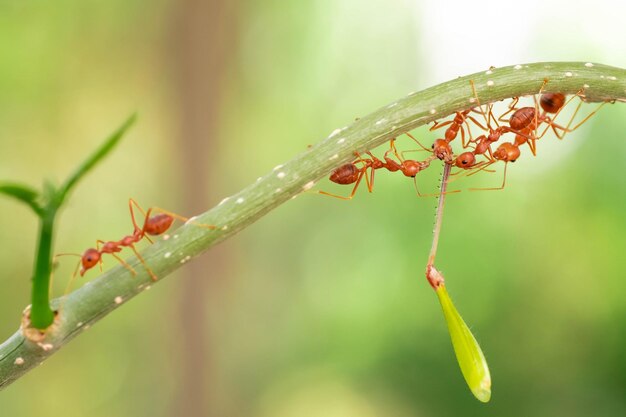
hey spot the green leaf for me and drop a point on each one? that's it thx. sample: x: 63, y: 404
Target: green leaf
x: 468, y: 354
x: 95, y: 157
x: 24, y: 193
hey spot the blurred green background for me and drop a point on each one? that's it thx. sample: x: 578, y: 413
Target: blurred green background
x: 320, y: 308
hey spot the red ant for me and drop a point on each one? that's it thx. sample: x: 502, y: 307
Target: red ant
x: 441, y: 147
x: 350, y: 173
x: 527, y: 120
x: 153, y: 226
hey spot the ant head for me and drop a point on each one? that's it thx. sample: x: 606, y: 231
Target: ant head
x: 552, y: 102
x: 442, y: 150
x: 89, y: 259
x: 507, y: 152
x: 158, y: 224
x: 465, y: 160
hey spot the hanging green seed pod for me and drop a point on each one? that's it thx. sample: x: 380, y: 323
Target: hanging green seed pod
x: 471, y: 359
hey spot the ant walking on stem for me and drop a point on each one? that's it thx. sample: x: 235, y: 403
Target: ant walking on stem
x: 153, y: 225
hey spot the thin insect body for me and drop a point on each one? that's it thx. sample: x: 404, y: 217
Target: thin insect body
x: 153, y: 225
x: 441, y: 147
x: 354, y: 172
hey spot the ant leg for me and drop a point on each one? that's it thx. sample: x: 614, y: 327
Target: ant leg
x: 181, y: 218
x: 101, y: 262
x: 417, y: 191
x: 418, y: 143
x: 494, y: 188
x: 512, y: 107
x: 125, y: 264
x: 392, y: 148
x: 132, y: 202
x: 480, y: 108
x: 143, y: 261
x: 439, y: 125
x: 68, y: 287
x: 568, y: 129
x: 356, y: 185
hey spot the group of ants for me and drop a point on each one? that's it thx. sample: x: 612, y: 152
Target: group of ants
x: 528, y: 124
x: 478, y: 154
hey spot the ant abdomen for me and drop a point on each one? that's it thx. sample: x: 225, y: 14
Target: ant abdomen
x: 158, y: 224
x: 345, y: 174
x: 552, y: 102
x: 522, y: 118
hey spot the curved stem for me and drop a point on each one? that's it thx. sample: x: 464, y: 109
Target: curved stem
x: 92, y: 302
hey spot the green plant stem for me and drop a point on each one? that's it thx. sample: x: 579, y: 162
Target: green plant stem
x: 96, y: 299
x: 41, y: 278
x: 41, y: 314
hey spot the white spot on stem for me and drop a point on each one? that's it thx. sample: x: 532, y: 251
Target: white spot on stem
x: 334, y: 132
x: 381, y: 121
x: 392, y: 105
x: 589, y: 65
x: 585, y: 85
x: 568, y: 74
x: 148, y: 287
x: 490, y: 83
x: 225, y: 227
x: 517, y: 67
x: 433, y: 111
x: 240, y: 200
x: 612, y: 78
x: 80, y: 323
x: 488, y: 72
x: 281, y: 175
x: 308, y: 185
x: 118, y: 300
x: 175, y: 236
x: 335, y: 156
x: 223, y: 201
x: 46, y: 346
x: 277, y: 167
x: 278, y: 190
x: 166, y: 236
x: 167, y: 255
x: 19, y: 361
x: 340, y: 141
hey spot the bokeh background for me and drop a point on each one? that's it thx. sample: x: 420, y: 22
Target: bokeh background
x: 321, y: 307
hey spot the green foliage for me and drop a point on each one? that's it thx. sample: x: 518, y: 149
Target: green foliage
x: 46, y: 205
